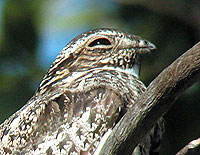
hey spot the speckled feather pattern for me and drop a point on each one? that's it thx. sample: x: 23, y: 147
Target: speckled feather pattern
x: 86, y: 91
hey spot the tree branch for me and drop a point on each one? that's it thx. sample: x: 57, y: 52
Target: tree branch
x: 154, y: 103
x: 191, y: 148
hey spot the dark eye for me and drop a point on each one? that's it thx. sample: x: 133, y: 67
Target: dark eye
x: 100, y: 41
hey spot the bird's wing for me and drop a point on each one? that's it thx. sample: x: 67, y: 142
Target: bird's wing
x: 74, y: 120
x: 88, y: 109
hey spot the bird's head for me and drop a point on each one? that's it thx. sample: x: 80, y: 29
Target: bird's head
x: 101, y: 48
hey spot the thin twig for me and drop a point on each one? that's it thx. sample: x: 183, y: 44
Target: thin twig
x: 191, y: 148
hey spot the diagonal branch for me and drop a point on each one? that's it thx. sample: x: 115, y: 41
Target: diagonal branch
x: 191, y: 148
x: 154, y: 103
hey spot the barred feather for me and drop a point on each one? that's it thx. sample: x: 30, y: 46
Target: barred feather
x: 88, y: 88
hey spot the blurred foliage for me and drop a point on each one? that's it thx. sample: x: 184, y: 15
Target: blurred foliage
x: 18, y: 66
x: 173, y: 26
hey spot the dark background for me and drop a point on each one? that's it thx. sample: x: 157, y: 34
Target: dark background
x: 33, y: 32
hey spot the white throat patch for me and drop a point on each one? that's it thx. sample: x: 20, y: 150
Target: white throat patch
x: 134, y: 70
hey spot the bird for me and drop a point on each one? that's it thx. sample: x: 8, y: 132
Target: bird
x: 89, y: 87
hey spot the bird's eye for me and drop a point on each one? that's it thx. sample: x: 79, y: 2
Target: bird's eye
x: 100, y: 41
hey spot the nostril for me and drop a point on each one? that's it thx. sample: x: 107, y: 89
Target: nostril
x: 146, y: 42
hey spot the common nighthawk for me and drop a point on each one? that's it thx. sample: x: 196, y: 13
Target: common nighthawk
x: 88, y: 88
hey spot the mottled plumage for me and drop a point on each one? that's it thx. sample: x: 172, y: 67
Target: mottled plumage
x: 88, y: 88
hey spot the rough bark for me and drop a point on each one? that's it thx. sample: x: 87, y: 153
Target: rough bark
x: 154, y: 103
